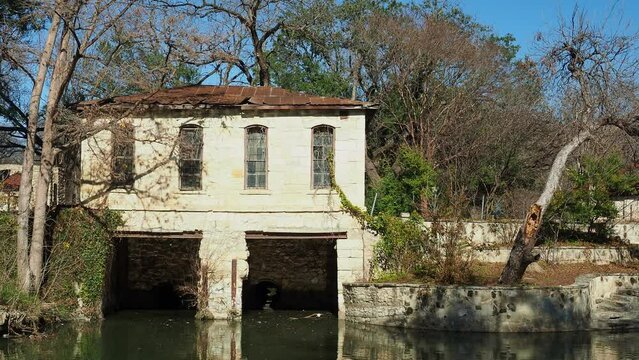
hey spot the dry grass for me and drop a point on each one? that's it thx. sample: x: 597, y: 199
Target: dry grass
x: 546, y: 274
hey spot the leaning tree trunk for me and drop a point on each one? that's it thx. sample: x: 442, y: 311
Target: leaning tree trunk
x: 26, y: 184
x: 521, y: 254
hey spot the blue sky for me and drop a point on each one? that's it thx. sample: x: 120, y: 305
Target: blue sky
x: 525, y: 18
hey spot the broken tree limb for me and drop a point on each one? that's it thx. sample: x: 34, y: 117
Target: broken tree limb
x: 522, y: 254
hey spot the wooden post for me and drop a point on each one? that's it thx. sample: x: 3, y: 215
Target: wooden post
x: 234, y: 282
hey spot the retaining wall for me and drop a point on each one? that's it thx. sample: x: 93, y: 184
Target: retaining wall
x: 597, y: 255
x: 502, y: 232
x: 483, y: 309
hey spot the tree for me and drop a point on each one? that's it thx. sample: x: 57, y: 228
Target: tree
x: 594, y: 73
x: 593, y: 182
x: 26, y: 187
x: 18, y: 22
x: 450, y: 89
x: 241, y: 35
x: 73, y: 28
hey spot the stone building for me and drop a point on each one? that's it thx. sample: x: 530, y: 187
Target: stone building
x: 225, y: 191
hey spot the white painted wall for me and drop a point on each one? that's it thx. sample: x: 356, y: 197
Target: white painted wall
x: 223, y: 210
x: 501, y: 233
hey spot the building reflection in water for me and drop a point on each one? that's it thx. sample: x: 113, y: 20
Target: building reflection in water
x: 300, y: 335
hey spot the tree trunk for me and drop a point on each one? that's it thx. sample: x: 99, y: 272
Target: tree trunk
x: 59, y: 80
x: 262, y: 64
x: 356, y: 79
x: 521, y: 254
x: 371, y: 171
x: 26, y: 186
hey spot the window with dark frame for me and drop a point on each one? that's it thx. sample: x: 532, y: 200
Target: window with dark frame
x: 323, y: 142
x: 256, y: 157
x: 190, y: 158
x: 123, y: 147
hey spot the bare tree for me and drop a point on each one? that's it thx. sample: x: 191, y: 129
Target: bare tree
x: 248, y: 28
x: 453, y: 93
x: 26, y: 183
x: 75, y: 26
x: 593, y: 72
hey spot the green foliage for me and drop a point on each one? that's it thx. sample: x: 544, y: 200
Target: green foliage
x: 408, y: 250
x: 10, y: 294
x: 299, y: 69
x: 80, y: 249
x: 8, y: 227
x: 404, y: 190
x: 402, y: 244
x: 19, y: 16
x: 593, y: 182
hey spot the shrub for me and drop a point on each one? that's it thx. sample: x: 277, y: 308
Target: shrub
x: 10, y: 293
x: 8, y: 245
x: 80, y: 247
x: 406, y: 189
x: 588, y: 202
x: 407, y: 250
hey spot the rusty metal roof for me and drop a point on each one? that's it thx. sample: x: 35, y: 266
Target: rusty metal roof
x: 244, y: 97
x: 11, y: 183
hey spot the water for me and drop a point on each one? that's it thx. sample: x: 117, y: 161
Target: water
x: 294, y: 335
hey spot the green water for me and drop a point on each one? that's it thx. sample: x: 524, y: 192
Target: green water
x: 288, y: 335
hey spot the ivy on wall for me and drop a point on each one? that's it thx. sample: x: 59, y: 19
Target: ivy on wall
x: 80, y: 248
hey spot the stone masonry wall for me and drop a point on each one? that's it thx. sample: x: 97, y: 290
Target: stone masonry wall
x: 306, y: 270
x: 223, y: 210
x: 482, y: 309
x: 152, y: 262
x: 499, y: 233
x: 293, y: 264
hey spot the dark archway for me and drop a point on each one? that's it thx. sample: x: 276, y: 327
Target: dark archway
x: 153, y: 272
x: 302, y: 271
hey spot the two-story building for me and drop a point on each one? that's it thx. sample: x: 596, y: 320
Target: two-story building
x: 226, y: 193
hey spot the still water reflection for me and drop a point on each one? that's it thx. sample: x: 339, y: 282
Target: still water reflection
x: 295, y: 335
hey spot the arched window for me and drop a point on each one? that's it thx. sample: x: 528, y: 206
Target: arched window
x: 255, y: 156
x: 123, y: 162
x: 323, y: 142
x: 190, y: 159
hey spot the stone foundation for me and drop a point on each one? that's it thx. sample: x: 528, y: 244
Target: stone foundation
x: 153, y: 262
x: 151, y: 273
x: 224, y: 251
x: 485, y: 309
x: 304, y: 271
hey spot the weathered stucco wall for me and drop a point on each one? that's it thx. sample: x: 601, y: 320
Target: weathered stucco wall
x: 502, y: 232
x: 597, y: 255
x: 289, y: 163
x: 487, y: 309
x: 224, y: 210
